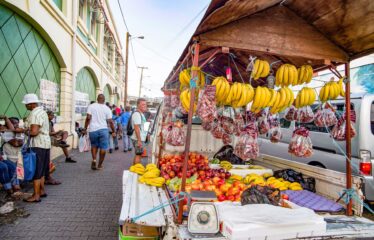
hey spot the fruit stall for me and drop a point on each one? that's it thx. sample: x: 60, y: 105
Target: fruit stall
x: 249, y: 65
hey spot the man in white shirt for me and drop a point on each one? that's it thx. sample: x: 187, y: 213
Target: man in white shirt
x: 98, y: 117
x: 140, y: 135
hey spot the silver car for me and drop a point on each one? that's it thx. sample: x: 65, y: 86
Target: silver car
x: 329, y: 153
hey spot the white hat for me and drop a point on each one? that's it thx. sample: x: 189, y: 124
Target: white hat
x: 30, y: 98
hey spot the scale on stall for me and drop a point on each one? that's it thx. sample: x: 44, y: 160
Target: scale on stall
x: 203, y: 216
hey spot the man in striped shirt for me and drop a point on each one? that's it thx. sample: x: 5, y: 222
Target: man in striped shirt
x: 38, y: 128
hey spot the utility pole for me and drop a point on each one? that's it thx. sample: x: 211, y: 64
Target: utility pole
x: 126, y: 66
x: 141, y: 79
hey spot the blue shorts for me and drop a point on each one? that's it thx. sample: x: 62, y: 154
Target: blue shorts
x: 100, y: 139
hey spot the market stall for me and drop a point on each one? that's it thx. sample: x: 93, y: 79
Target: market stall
x: 247, y: 63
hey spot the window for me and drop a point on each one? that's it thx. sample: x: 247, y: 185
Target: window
x: 58, y: 3
x: 372, y: 117
x: 93, y: 26
x: 81, y: 8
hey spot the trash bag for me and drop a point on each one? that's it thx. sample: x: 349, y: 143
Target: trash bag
x: 226, y: 153
x: 260, y: 195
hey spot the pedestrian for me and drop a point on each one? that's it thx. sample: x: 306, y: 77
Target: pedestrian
x: 118, y: 109
x: 139, y: 135
x: 98, y: 118
x: 113, y: 141
x: 38, y: 129
x: 58, y: 138
x: 124, y: 121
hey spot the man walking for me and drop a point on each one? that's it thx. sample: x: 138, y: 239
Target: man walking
x: 124, y: 121
x: 98, y: 118
x: 38, y: 125
x: 140, y: 135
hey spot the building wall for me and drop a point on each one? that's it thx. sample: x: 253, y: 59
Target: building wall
x: 53, y: 24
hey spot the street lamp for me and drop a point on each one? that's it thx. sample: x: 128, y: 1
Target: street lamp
x: 128, y: 38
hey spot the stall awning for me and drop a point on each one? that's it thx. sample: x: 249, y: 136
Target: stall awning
x: 317, y: 32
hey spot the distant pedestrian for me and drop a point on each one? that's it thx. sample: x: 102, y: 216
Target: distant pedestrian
x: 118, y: 109
x: 98, y: 118
x: 38, y: 128
x: 139, y: 136
x: 113, y: 141
x: 124, y: 121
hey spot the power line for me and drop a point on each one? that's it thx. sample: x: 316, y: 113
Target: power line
x: 133, y: 53
x: 183, y: 29
x: 123, y: 17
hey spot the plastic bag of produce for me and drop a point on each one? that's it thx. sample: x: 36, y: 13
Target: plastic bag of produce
x: 206, y: 107
x: 176, y: 136
x: 226, y: 153
x: 174, y: 99
x: 226, y: 139
x: 301, y: 144
x: 217, y: 131
x: 247, y: 145
x: 260, y: 195
x: 238, y: 124
x: 291, y: 114
x: 263, y: 123
x: 207, y: 126
x: 167, y: 98
x: 275, y: 129
x: 339, y: 130
x: 305, y: 115
x: 325, y: 117
x: 227, y: 124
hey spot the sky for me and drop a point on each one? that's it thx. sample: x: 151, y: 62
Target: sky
x: 167, y: 26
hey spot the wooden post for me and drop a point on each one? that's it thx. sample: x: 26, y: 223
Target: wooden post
x: 348, y: 134
x: 189, y: 128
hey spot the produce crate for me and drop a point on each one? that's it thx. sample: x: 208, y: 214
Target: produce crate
x: 132, y: 231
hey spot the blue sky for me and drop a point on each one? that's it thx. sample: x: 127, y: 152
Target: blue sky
x: 163, y: 24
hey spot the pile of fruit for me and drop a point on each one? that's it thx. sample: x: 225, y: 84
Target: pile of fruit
x: 261, y: 68
x: 149, y: 175
x: 305, y: 97
x: 270, y: 181
x: 331, y: 90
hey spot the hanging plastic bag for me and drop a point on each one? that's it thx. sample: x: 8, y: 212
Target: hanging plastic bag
x: 238, y: 124
x: 305, y: 115
x: 275, y: 129
x: 263, y: 123
x: 325, y: 118
x: 176, y: 136
x: 227, y: 123
x: 217, y: 131
x: 206, y: 107
x: 20, y: 170
x: 81, y: 143
x: 291, y: 114
x: 174, y: 99
x: 87, y: 144
x: 339, y: 130
x: 226, y: 139
x: 301, y: 144
x: 207, y: 126
x: 247, y: 145
x: 167, y: 98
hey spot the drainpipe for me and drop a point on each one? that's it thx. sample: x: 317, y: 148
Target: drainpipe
x: 74, y: 70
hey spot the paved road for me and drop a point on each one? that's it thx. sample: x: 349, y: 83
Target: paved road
x: 85, y: 206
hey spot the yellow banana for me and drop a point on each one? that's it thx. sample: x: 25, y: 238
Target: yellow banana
x: 255, y: 68
x: 291, y: 97
x: 288, y: 96
x: 341, y: 92
x: 259, y: 70
x: 286, y: 75
x: 266, y: 69
x: 310, y: 73
x: 257, y: 98
x: 273, y: 97
x: 279, y: 80
x: 251, y: 93
x: 301, y: 72
x: 295, y: 77
x: 322, y: 94
x: 282, y: 99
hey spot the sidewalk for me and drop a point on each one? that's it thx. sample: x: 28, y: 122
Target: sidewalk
x: 85, y: 206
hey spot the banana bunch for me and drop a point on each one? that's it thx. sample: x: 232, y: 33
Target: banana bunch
x: 152, y: 173
x: 286, y: 75
x: 283, y: 99
x: 137, y: 168
x: 185, y: 77
x: 240, y: 95
x: 235, y: 177
x: 185, y: 99
x: 225, y: 165
x: 331, y: 90
x: 253, y: 177
x: 261, y: 68
x: 264, y: 97
x: 157, y: 182
x: 150, y: 166
x: 222, y: 89
x: 305, y: 97
x: 295, y: 186
x: 305, y: 73
x: 283, y: 185
x: 152, y: 176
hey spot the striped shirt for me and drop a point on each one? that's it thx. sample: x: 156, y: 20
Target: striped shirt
x: 39, y: 117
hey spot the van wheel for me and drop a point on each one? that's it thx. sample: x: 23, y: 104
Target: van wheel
x: 317, y: 164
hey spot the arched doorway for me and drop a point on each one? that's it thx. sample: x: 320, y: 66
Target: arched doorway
x: 85, y: 90
x: 27, y: 65
x: 107, y: 93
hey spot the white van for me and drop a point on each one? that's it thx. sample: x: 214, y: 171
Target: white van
x: 328, y: 153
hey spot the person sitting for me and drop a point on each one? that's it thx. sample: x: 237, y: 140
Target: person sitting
x: 8, y: 176
x: 58, y: 138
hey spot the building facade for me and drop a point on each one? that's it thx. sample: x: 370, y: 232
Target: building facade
x: 65, y: 51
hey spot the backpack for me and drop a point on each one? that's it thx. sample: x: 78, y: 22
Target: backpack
x: 130, y: 128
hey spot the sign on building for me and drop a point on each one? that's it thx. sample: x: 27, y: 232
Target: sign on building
x: 49, y: 95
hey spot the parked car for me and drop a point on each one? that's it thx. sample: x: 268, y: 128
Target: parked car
x: 330, y: 154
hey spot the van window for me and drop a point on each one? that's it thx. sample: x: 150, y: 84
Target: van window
x: 372, y: 117
x: 284, y: 123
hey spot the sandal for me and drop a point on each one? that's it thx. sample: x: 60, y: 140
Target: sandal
x: 32, y: 201
x: 44, y: 195
x: 99, y: 167
x: 93, y: 165
x: 53, y: 182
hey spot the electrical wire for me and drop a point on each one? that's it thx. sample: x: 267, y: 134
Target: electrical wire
x: 123, y: 17
x: 133, y: 53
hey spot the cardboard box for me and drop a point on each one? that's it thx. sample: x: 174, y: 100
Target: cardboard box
x: 132, y: 231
